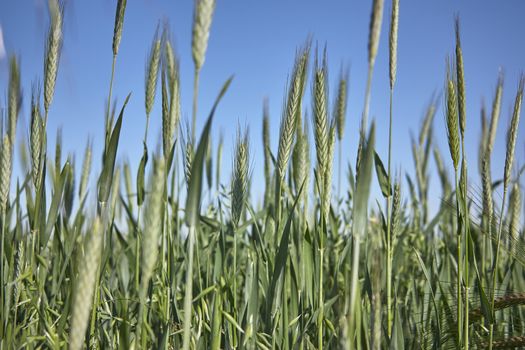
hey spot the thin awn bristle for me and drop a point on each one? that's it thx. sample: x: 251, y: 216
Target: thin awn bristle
x: 119, y: 23
x: 394, y: 24
x: 202, y: 19
x: 52, y: 56
x: 500, y: 303
x: 443, y: 175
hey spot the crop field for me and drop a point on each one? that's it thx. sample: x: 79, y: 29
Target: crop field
x: 167, y: 252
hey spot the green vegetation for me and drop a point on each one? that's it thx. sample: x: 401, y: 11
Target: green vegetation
x: 157, y: 265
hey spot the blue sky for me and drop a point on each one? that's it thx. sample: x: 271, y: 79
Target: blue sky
x: 256, y: 41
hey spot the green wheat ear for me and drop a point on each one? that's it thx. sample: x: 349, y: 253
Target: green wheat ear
x: 5, y: 173
x: 289, y: 116
x: 202, y: 19
x: 266, y: 147
x: 240, y: 176
x: 376, y: 20
x: 512, y: 133
x: 394, y: 24
x: 153, y: 221
x: 515, y: 212
x: 85, y: 286
x: 452, y: 121
x: 119, y: 23
x: 36, y: 138
x: 460, y: 78
x: 86, y: 168
x: 152, y: 72
x: 320, y: 115
x: 14, y: 97
x: 340, y: 104
x: 52, y: 56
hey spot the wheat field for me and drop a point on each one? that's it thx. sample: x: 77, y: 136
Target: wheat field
x: 167, y: 252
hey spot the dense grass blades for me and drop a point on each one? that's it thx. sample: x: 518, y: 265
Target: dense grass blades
x: 170, y: 251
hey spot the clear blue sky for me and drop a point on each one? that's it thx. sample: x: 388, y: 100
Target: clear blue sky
x: 256, y: 41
